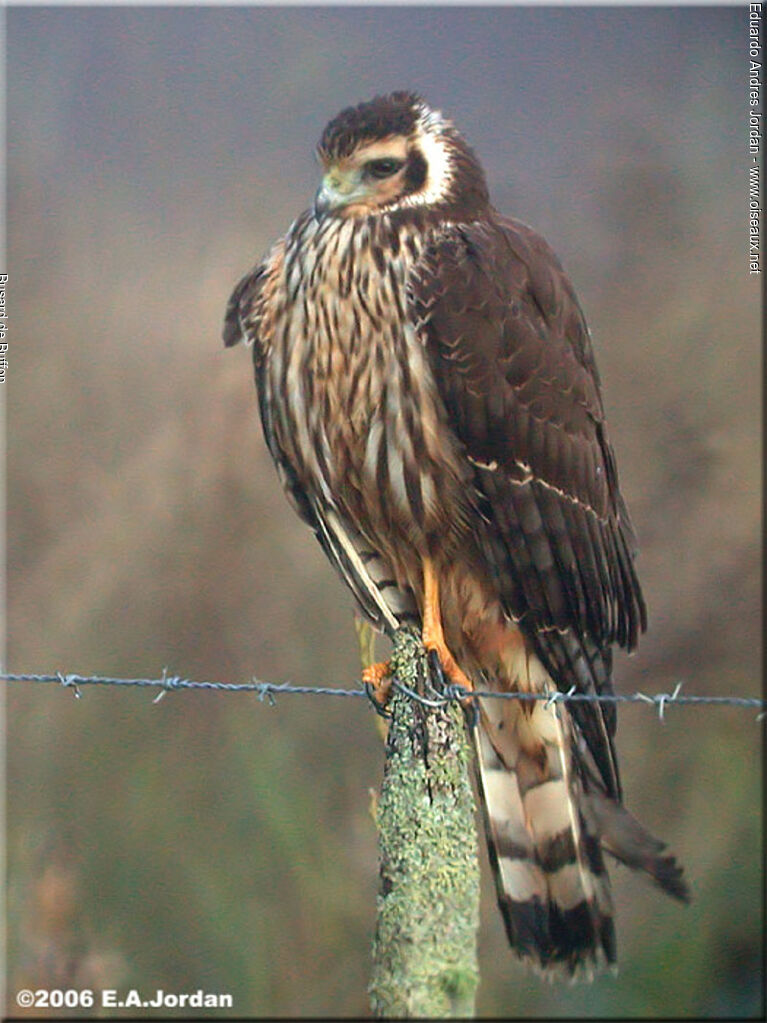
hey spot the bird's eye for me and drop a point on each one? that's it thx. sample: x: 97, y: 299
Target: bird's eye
x: 383, y: 168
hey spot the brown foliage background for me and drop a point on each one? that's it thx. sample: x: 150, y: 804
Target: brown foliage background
x: 211, y: 841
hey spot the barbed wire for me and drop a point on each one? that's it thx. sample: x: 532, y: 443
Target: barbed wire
x: 268, y: 691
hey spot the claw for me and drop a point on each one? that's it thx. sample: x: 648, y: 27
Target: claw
x: 376, y: 679
x: 435, y: 667
x: 469, y: 705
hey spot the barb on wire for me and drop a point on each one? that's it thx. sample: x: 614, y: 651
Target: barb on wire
x: 558, y: 697
x: 68, y: 681
x: 268, y: 691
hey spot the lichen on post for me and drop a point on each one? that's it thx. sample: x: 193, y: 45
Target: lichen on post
x: 424, y: 949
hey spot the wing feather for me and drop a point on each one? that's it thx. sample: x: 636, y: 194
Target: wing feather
x: 512, y: 359
x: 378, y: 596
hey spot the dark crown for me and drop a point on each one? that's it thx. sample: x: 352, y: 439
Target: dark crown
x: 395, y: 114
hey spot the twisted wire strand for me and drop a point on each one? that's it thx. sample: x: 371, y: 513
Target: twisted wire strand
x: 268, y: 691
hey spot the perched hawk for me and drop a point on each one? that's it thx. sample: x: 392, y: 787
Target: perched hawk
x: 428, y: 392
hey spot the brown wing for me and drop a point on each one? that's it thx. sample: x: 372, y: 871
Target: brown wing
x: 244, y: 321
x: 512, y: 359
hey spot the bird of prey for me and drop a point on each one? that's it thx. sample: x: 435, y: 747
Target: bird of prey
x: 428, y: 392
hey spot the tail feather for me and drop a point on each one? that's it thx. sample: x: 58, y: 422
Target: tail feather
x: 370, y: 579
x: 630, y: 842
x: 548, y: 826
x: 551, y: 880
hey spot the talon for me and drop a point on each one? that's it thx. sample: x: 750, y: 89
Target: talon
x: 449, y: 667
x: 469, y: 705
x: 378, y: 678
x: 435, y: 667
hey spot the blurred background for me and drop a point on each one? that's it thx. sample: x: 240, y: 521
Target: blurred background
x: 212, y: 841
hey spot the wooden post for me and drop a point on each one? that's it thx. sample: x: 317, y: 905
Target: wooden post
x: 424, y: 949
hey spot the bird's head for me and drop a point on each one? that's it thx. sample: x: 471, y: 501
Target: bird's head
x: 394, y: 152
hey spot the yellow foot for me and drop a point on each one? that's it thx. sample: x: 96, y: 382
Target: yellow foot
x: 449, y: 665
x: 378, y: 677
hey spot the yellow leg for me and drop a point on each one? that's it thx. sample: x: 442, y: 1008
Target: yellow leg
x: 433, y: 637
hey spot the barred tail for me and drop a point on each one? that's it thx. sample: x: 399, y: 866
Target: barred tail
x: 365, y: 572
x: 546, y: 835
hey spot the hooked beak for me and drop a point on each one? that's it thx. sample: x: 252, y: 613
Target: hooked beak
x: 337, y: 191
x: 325, y: 200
